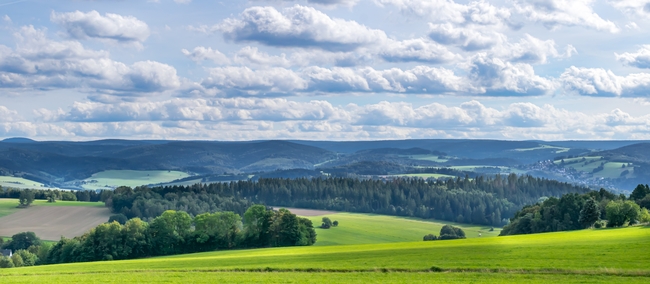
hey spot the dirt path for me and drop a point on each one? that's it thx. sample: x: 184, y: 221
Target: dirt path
x: 307, y: 212
x: 50, y: 223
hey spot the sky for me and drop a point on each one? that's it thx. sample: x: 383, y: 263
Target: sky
x: 325, y: 69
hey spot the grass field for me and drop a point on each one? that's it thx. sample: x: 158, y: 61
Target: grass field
x: 578, y: 160
x: 433, y: 158
x: 115, y: 178
x: 374, y: 229
x: 426, y: 176
x: 8, y: 205
x: 18, y: 182
x: 587, y: 256
x: 544, y: 147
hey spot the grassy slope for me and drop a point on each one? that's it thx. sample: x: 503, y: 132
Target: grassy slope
x: 18, y: 182
x: 114, y: 178
x: 608, y: 255
x: 374, y: 229
x: 8, y: 205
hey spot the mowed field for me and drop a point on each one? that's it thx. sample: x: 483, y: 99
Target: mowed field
x: 115, y: 178
x: 18, y: 182
x: 50, y: 221
x: 587, y: 256
x: 357, y: 228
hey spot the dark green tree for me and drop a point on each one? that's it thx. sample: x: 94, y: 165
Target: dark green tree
x: 620, y: 212
x: 590, y: 213
x: 640, y: 192
x: 6, y: 262
x: 23, y: 240
x: 327, y: 223
x: 335, y: 223
x: 120, y: 218
x: 28, y: 258
x: 26, y: 197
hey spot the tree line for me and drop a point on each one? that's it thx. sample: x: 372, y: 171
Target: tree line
x: 174, y: 232
x: 578, y: 211
x: 481, y: 200
x: 53, y: 195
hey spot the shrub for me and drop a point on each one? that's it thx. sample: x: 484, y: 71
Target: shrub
x: 120, y: 218
x: 335, y: 223
x: 430, y: 237
x: 6, y: 262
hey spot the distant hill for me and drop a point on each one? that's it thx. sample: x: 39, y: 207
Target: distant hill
x: 57, y: 162
x: 18, y: 140
x: 639, y: 153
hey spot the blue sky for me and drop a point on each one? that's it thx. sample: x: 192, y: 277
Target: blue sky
x: 325, y: 69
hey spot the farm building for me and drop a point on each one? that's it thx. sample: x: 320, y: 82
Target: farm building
x: 6, y: 252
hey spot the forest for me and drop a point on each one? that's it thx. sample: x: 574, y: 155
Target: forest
x: 579, y: 211
x: 481, y: 200
x: 173, y: 232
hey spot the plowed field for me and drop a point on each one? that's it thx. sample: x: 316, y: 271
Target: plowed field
x: 50, y: 223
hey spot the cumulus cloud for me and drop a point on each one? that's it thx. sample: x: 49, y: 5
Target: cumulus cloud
x: 110, y: 27
x: 200, y: 54
x: 639, y: 59
x: 469, y: 39
x: 639, y: 8
x: 555, y: 13
x: 252, y: 55
x: 40, y: 63
x: 7, y: 115
x: 313, y: 79
x: 298, y: 26
x: 530, y: 49
x: 496, y: 77
x: 264, y: 118
x: 253, y: 82
x: 224, y: 109
x: 329, y: 3
x: 418, y: 50
x: 448, y: 11
x: 601, y: 82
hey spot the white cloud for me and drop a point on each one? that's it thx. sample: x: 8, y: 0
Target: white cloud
x: 200, y: 53
x: 418, y: 50
x: 531, y: 50
x: 496, y: 77
x: 639, y: 59
x: 639, y: 8
x: 601, y: 82
x: 252, y: 55
x: 327, y: 3
x: 262, y: 118
x: 7, y: 115
x: 555, y: 13
x: 448, y: 11
x: 110, y: 27
x: 298, y: 26
x: 468, y: 39
x: 252, y: 82
x: 40, y: 63
x: 183, y: 1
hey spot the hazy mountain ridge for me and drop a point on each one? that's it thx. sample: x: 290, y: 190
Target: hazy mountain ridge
x: 53, y: 162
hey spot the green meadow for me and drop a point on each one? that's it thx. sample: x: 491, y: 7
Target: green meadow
x: 544, y: 147
x: 587, y: 256
x: 18, y: 182
x: 356, y: 229
x: 426, y: 176
x: 8, y: 205
x: 132, y: 178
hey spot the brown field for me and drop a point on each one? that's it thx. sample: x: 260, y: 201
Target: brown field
x: 50, y: 223
x: 307, y: 212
